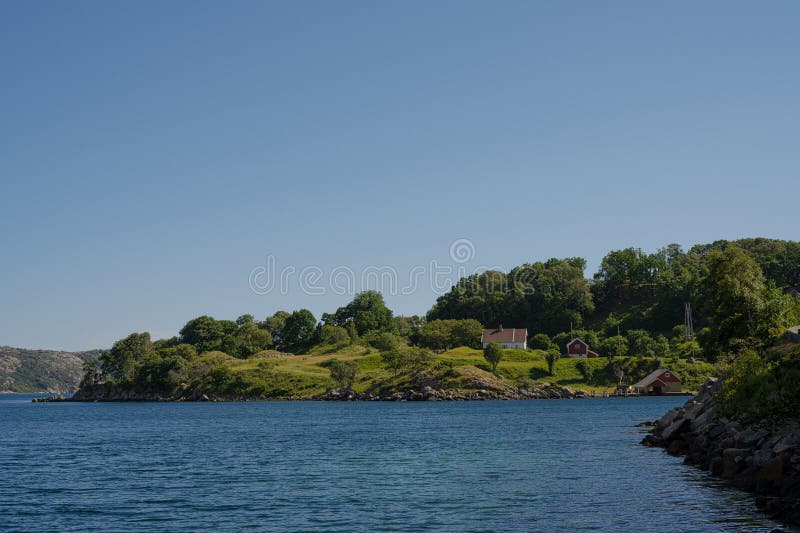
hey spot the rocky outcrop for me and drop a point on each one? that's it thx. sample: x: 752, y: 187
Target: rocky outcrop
x: 473, y: 384
x: 764, y: 462
x: 428, y: 393
x: 114, y: 393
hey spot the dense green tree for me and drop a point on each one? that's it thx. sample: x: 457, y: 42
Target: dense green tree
x: 627, y: 284
x: 120, y: 361
x: 615, y: 346
x: 204, y: 333
x: 660, y: 347
x: 298, y: 331
x: 160, y: 372
x: 334, y: 335
x: 407, y: 359
x: 631, y: 268
x: 249, y: 339
x: 245, y: 319
x: 640, y: 342
x: 739, y: 307
x: 436, y: 335
x: 367, y: 312
x: 445, y: 334
x: 275, y: 325
x: 632, y: 290
x: 547, y: 297
x: 229, y: 327
x: 493, y: 355
x: 484, y: 297
x: 172, y: 342
x: 408, y: 327
x: 541, y: 341
x: 383, y: 340
x: 466, y: 332
x: 779, y: 260
x: 186, y: 351
x: 556, y: 294
x: 675, y: 286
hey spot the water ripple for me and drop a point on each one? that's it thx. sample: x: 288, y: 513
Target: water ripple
x: 484, y: 466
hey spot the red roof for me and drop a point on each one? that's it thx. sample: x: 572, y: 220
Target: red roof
x: 662, y: 374
x: 502, y: 334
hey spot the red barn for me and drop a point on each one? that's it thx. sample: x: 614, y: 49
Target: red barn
x: 659, y: 382
x: 578, y: 348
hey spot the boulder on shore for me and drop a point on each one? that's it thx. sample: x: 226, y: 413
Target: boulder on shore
x: 754, y: 459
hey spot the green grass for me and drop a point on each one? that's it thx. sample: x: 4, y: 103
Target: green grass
x: 275, y: 375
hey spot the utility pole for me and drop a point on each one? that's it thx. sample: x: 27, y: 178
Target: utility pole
x: 688, y: 326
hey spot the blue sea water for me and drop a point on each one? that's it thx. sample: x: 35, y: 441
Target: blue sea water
x: 561, y: 465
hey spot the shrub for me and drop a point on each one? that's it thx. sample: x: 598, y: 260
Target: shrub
x: 383, y: 341
x: 446, y: 368
x: 757, y: 390
x: 411, y: 358
x: 586, y: 370
x: 493, y: 355
x: 334, y: 335
x: 551, y: 357
x: 540, y: 341
x: 343, y: 372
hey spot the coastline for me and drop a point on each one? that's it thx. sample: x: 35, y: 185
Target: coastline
x: 336, y: 395
x: 764, y: 462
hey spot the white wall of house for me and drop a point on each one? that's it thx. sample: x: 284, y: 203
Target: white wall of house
x: 511, y: 345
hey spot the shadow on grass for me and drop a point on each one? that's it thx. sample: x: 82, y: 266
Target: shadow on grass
x: 538, y: 373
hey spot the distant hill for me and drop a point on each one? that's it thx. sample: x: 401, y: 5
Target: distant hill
x: 24, y: 370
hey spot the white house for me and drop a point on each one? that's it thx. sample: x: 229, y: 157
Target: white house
x: 507, y: 338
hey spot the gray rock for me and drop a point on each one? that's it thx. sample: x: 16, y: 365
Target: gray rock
x: 669, y: 418
x: 769, y: 475
x: 762, y: 457
x: 694, y: 409
x: 787, y: 442
x: 733, y: 427
x: 676, y: 428
x: 677, y: 447
x: 715, y: 466
x: 704, y: 420
x: 733, y: 461
x: 716, y: 430
x: 749, y: 438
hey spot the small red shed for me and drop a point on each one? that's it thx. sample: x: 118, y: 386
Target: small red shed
x: 578, y: 348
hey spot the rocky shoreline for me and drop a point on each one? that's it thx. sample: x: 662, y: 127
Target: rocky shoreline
x: 111, y: 393
x: 549, y: 392
x: 754, y: 459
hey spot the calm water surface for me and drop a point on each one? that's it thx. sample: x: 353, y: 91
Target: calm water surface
x: 480, y: 466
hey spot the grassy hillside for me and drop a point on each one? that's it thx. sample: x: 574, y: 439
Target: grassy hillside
x: 598, y: 374
x: 41, y: 370
x: 276, y: 375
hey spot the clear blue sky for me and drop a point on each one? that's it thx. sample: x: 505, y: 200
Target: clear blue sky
x: 152, y: 154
